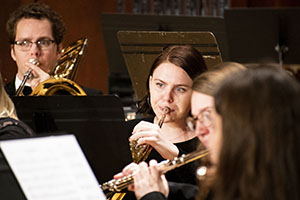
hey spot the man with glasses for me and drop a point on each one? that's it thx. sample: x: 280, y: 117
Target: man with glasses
x: 35, y: 33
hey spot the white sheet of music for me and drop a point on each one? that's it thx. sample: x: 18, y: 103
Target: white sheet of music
x: 51, y: 168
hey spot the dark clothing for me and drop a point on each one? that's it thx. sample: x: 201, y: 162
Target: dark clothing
x: 182, y: 191
x: 12, y: 128
x: 185, y: 173
x: 11, y: 90
x: 178, y: 191
x: 154, y: 196
x: 27, y: 90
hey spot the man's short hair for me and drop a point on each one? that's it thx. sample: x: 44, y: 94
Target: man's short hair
x: 36, y: 11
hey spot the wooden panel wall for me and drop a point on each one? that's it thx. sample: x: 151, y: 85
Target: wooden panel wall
x: 7, y: 66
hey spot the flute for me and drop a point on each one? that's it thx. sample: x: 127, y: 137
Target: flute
x: 117, y: 185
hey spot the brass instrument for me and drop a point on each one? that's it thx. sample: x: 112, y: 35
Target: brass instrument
x: 58, y: 86
x: 27, y: 76
x: 61, y: 81
x: 140, y: 153
x: 67, y: 66
x: 113, y: 186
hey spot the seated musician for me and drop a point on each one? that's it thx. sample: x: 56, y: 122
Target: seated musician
x: 169, y: 86
x: 255, y: 156
x: 203, y: 88
x: 35, y: 33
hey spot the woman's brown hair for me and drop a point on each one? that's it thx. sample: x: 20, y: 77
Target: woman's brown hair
x: 183, y: 56
x: 208, y: 82
x: 259, y: 158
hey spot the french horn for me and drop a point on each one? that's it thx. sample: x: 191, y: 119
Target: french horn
x: 140, y: 153
x: 64, y: 74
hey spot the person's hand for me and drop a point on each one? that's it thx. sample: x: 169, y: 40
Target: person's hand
x: 38, y: 75
x: 149, y: 133
x: 149, y: 179
x: 128, y: 170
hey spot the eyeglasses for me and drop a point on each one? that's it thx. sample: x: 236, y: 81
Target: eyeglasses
x: 25, y: 45
x: 203, y: 117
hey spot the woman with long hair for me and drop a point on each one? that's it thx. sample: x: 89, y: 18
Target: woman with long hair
x: 258, y: 115
x: 169, y: 86
x: 202, y: 104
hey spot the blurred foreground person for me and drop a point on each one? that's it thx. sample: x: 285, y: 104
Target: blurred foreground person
x: 258, y: 140
x: 10, y: 126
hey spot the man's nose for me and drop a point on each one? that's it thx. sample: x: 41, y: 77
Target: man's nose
x: 35, y: 50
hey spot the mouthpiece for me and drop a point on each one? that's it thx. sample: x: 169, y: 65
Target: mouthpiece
x: 34, y: 61
x: 166, y: 110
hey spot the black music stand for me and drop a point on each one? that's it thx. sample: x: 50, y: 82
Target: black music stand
x: 10, y: 188
x: 140, y: 48
x: 96, y: 121
x: 66, y: 113
x: 258, y: 34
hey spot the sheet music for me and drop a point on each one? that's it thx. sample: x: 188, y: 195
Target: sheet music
x: 51, y: 168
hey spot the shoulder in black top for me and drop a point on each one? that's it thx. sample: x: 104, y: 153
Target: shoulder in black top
x: 12, y: 128
x: 10, y: 88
